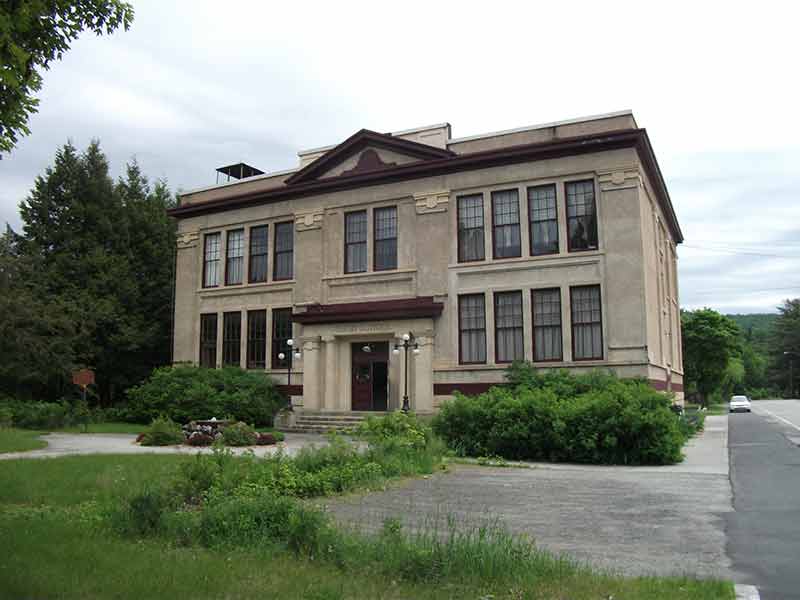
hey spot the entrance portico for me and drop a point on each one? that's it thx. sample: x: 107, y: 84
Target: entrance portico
x: 342, y: 356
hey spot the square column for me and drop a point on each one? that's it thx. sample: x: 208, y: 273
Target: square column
x: 331, y: 381
x: 422, y: 381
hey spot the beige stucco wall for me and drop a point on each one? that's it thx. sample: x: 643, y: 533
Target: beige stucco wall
x: 625, y: 265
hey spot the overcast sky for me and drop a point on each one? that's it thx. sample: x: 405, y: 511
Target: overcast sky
x: 192, y: 87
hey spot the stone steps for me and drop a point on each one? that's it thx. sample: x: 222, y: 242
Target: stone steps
x: 323, y: 422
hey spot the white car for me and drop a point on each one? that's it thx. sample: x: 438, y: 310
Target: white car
x: 739, y: 403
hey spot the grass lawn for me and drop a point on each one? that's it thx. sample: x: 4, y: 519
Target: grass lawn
x: 713, y: 409
x: 56, y: 545
x: 19, y: 440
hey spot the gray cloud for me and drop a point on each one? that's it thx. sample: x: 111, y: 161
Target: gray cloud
x: 192, y: 87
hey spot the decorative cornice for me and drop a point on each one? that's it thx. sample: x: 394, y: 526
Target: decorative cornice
x: 619, y: 179
x: 431, y: 202
x: 187, y: 239
x: 586, y: 144
x: 310, y: 220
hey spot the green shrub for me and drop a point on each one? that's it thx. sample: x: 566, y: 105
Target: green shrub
x: 6, y: 417
x: 239, y: 434
x: 556, y: 416
x: 162, y: 432
x: 187, y: 393
x: 40, y: 415
x: 396, y: 428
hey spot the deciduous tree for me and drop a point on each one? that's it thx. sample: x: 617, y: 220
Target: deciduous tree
x: 33, y: 34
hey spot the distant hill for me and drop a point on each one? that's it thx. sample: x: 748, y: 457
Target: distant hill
x: 756, y: 327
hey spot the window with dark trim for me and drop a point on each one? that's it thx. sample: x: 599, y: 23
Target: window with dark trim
x: 211, y: 258
x: 259, y: 250
x: 505, y: 224
x: 234, y: 257
x: 256, y: 339
x: 470, y: 228
x: 508, y: 335
x: 547, y: 335
x: 284, y: 251
x: 587, y: 324
x: 581, y: 215
x: 231, y: 339
x: 208, y: 340
x: 281, y: 332
x: 385, y: 238
x: 355, y: 241
x: 472, y: 329
x: 543, y: 216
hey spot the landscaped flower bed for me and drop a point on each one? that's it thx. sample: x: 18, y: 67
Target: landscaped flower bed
x: 164, y: 432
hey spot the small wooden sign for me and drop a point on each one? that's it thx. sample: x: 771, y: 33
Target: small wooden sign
x: 83, y: 377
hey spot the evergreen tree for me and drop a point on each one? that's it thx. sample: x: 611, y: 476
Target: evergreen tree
x: 103, y: 252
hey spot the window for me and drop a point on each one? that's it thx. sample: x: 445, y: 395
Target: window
x: 256, y: 339
x: 385, y: 238
x: 508, y: 327
x: 547, y: 325
x: 505, y: 224
x: 281, y: 332
x: 355, y: 242
x: 581, y: 216
x: 211, y: 251
x: 259, y: 244
x: 234, y: 258
x: 231, y: 339
x: 470, y: 228
x: 587, y: 327
x: 284, y: 251
x: 543, y: 219
x: 208, y: 341
x: 472, y: 329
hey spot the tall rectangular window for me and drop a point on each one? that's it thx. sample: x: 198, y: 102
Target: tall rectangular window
x: 587, y: 325
x: 472, y: 329
x: 547, y: 344
x: 385, y: 238
x: 581, y: 215
x: 284, y: 251
x: 231, y: 339
x: 505, y: 224
x: 259, y: 248
x: 211, y: 258
x: 281, y: 332
x: 234, y: 257
x: 508, y: 327
x: 543, y: 216
x: 470, y: 228
x: 355, y: 242
x: 208, y: 340
x: 256, y: 339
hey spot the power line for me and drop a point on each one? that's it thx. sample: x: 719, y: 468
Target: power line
x: 739, y: 251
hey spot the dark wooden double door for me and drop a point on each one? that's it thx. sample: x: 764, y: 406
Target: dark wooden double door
x: 370, y: 376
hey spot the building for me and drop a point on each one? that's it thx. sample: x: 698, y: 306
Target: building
x: 553, y: 243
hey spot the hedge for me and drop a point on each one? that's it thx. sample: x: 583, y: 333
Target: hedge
x: 185, y: 393
x: 596, y: 418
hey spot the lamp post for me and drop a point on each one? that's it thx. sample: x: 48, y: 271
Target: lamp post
x: 282, y: 355
x: 409, y: 342
x: 791, y: 371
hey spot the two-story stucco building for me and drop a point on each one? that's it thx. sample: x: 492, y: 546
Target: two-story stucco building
x: 554, y: 243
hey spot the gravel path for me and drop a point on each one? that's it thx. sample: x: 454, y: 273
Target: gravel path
x: 633, y: 520
x: 66, y: 444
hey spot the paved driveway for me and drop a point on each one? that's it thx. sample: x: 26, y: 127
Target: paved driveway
x: 65, y: 444
x: 764, y: 531
x: 634, y: 520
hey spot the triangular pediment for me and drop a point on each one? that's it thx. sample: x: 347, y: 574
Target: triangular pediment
x: 364, y: 152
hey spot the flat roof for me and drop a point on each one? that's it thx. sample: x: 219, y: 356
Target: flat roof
x: 479, y: 136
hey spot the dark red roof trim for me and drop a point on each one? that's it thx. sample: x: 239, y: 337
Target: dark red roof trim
x: 358, y: 141
x: 290, y: 390
x: 370, y: 311
x: 636, y: 138
x: 468, y: 389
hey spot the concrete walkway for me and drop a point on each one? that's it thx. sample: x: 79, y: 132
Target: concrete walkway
x: 631, y: 520
x: 68, y: 444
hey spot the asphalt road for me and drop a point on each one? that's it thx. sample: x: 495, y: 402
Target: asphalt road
x: 764, y: 531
